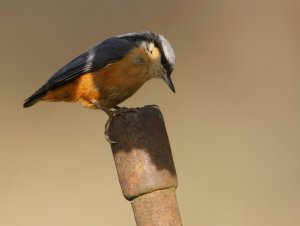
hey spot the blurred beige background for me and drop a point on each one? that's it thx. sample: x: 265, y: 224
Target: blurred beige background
x: 233, y: 124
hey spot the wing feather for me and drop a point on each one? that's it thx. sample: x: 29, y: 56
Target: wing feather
x: 107, y: 52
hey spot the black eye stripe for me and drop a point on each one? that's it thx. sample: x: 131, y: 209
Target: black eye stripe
x: 164, y: 60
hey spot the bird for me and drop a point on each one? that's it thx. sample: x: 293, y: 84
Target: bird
x: 110, y: 72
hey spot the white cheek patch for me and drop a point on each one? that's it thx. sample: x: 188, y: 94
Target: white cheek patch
x: 144, y: 45
x: 151, y: 47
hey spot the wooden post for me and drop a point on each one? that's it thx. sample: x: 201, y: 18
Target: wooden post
x: 145, y: 166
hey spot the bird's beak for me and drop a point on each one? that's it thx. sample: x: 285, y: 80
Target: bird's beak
x: 167, y: 78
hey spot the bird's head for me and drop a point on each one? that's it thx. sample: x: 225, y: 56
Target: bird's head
x: 167, y: 60
x: 159, y: 51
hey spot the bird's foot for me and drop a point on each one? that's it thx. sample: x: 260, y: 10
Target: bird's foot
x: 151, y: 106
x: 106, y: 131
x: 121, y: 111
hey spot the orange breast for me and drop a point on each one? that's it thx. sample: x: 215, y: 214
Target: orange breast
x: 109, y: 86
x: 80, y: 90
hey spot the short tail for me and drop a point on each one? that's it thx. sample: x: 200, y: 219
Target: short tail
x: 36, y: 97
x: 29, y: 102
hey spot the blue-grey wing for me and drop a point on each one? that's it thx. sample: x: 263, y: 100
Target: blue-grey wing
x: 94, y: 59
x: 107, y: 52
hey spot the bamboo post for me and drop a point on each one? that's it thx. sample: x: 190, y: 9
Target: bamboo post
x: 145, y: 166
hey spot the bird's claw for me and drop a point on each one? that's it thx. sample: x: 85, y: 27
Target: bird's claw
x: 119, y: 112
x: 106, y: 131
x: 151, y: 106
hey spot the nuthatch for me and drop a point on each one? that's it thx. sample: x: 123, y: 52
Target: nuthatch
x: 110, y: 72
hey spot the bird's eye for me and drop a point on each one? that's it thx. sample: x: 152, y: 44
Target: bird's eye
x: 164, y: 61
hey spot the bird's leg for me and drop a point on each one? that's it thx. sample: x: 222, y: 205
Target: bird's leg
x: 110, y: 114
x: 117, y: 107
x: 120, y: 111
